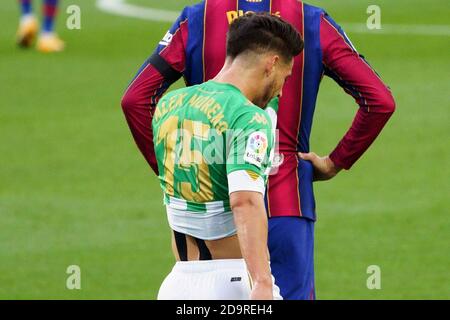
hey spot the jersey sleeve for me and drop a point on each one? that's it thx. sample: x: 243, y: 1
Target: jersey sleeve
x: 350, y: 70
x: 251, y: 144
x: 165, y: 66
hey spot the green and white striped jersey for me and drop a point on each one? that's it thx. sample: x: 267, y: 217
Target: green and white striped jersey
x: 204, y: 133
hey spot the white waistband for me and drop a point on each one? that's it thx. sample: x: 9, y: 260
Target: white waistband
x: 209, y: 265
x: 206, y: 226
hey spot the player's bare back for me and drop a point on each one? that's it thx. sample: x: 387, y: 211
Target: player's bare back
x: 226, y: 248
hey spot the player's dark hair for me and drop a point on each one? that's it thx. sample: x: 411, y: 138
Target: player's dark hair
x: 262, y: 32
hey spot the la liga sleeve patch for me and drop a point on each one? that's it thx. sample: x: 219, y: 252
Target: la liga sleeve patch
x: 256, y: 148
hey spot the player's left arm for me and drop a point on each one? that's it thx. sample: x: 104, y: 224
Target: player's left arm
x: 164, y: 67
x: 376, y: 104
x: 248, y: 163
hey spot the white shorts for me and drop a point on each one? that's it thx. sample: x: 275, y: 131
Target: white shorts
x: 226, y: 279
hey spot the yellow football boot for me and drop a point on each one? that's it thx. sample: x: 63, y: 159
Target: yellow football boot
x: 50, y: 42
x: 28, y: 28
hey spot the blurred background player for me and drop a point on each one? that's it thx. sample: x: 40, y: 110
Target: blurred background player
x: 195, y: 48
x: 48, y: 40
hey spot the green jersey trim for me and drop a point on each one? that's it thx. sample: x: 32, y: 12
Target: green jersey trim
x: 205, y: 207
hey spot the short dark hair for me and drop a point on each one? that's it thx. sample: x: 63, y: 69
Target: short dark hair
x: 263, y: 32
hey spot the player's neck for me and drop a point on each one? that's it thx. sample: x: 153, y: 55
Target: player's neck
x: 241, y: 76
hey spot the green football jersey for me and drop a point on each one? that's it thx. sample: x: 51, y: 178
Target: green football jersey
x: 205, y: 132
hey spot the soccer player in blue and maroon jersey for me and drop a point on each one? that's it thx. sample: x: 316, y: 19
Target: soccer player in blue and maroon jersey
x: 28, y: 27
x: 195, y: 48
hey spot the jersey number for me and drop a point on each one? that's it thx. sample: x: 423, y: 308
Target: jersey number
x: 199, y: 189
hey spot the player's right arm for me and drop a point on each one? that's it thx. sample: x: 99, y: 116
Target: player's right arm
x: 247, y: 165
x: 163, y: 68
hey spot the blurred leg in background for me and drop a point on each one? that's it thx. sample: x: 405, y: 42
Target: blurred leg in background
x: 48, y: 40
x: 28, y: 26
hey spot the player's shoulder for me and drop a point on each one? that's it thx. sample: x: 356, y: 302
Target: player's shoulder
x: 251, y: 116
x: 194, y: 11
x: 310, y: 9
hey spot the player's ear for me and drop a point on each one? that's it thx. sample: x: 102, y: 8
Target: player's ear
x: 271, y: 63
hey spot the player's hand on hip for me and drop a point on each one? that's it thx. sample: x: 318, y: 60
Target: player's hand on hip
x: 262, y: 291
x: 324, y: 168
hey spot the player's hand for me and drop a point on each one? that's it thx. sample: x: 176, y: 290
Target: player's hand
x: 324, y: 168
x: 262, y: 291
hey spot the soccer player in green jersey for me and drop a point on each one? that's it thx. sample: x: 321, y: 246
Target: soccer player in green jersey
x: 214, y: 144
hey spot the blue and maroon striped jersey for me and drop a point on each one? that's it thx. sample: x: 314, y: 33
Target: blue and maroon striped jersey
x: 195, y: 48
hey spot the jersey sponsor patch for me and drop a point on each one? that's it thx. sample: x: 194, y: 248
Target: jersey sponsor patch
x: 167, y: 39
x: 256, y: 148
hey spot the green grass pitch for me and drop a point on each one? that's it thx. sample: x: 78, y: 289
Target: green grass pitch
x: 75, y: 190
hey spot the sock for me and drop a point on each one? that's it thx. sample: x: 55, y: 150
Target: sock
x: 26, y: 7
x: 49, y: 10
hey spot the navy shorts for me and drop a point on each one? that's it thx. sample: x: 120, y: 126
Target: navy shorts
x: 291, y: 246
